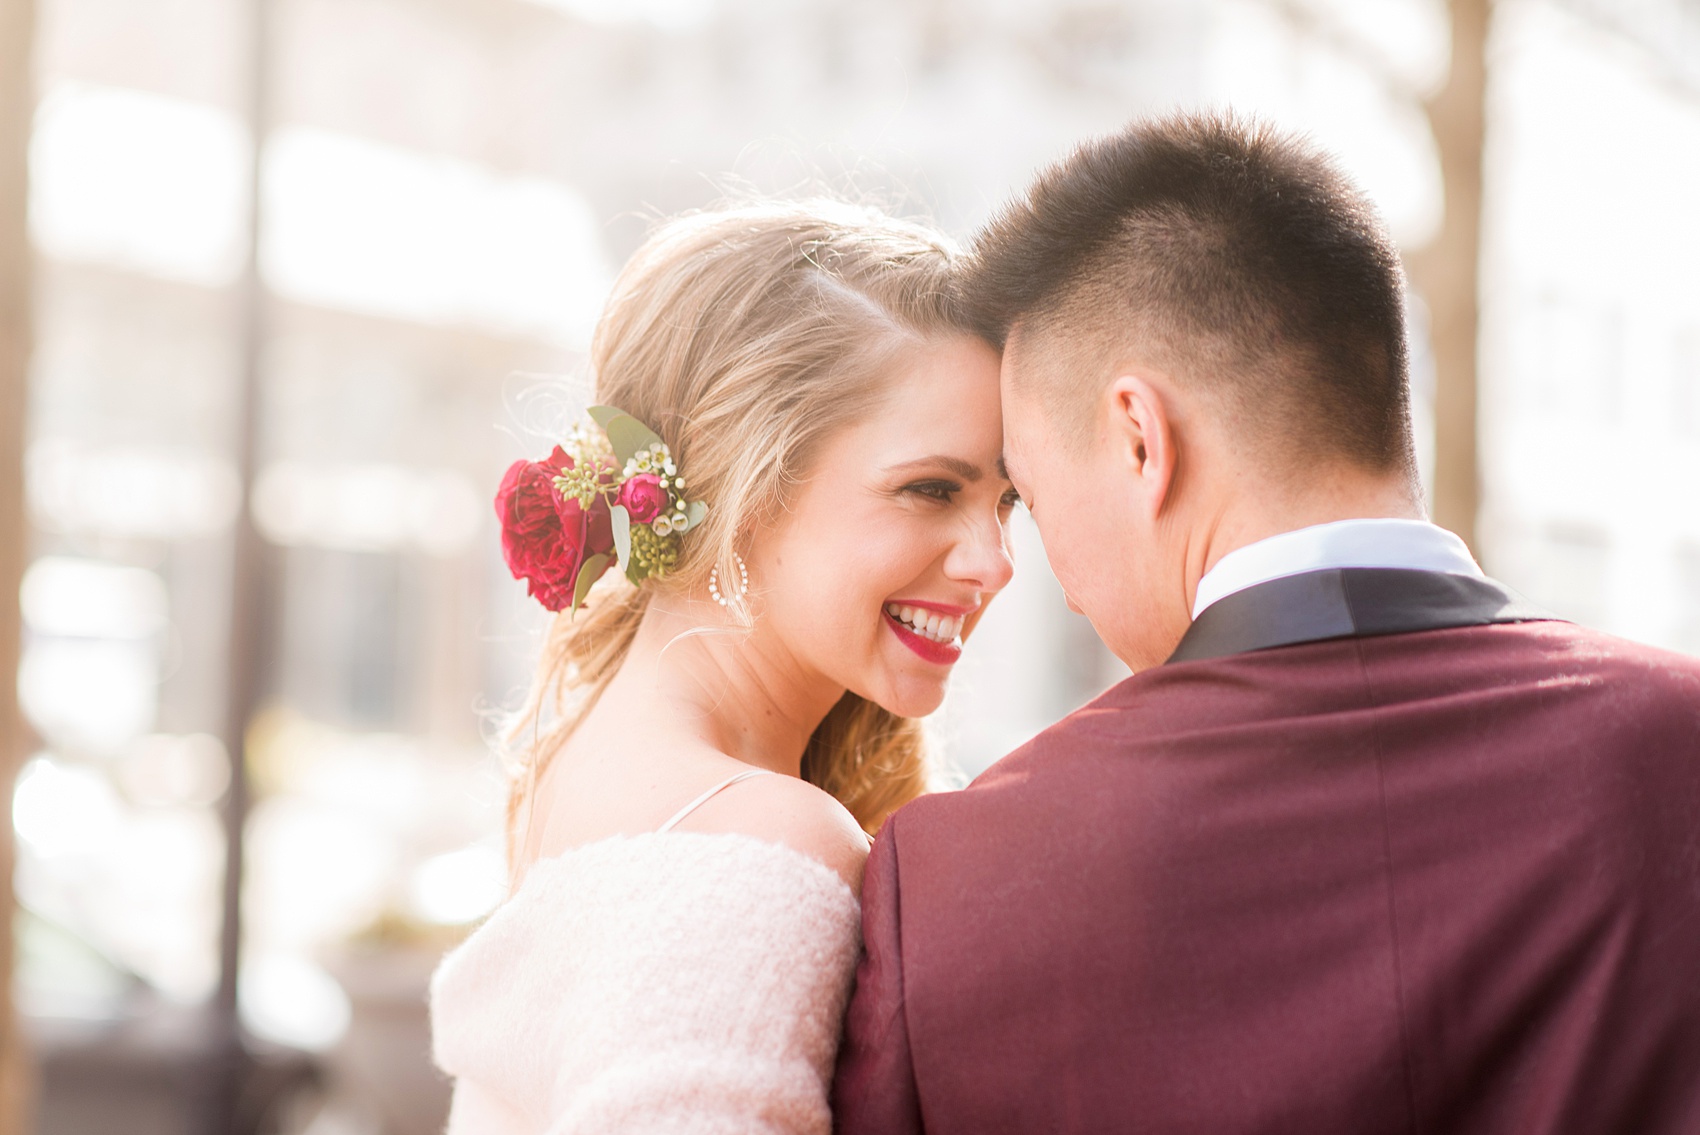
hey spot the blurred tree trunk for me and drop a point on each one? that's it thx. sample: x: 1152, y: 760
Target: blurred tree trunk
x: 17, y: 100
x: 1446, y: 272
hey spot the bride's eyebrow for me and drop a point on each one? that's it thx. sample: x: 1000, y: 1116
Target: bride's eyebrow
x: 967, y: 470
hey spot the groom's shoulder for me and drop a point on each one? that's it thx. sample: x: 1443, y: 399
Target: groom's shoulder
x: 1635, y: 670
x: 1611, y: 690
x: 1106, y: 723
x: 1651, y: 676
x: 1047, y: 767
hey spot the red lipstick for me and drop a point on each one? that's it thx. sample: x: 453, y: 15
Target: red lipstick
x: 938, y: 653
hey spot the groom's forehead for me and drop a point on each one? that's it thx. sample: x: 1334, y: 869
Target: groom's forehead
x: 1038, y: 345
x: 1043, y: 368
x: 1028, y: 371
x: 1017, y: 341
x: 1024, y: 354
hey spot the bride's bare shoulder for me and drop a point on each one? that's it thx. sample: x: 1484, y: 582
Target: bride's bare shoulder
x: 792, y: 812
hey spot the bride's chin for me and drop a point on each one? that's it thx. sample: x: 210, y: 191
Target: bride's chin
x: 911, y: 698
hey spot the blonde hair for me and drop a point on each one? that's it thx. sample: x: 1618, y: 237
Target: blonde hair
x: 745, y: 336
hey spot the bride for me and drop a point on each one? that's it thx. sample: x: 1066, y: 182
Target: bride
x: 794, y: 495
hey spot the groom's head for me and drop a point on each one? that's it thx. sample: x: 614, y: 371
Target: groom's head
x: 1204, y: 345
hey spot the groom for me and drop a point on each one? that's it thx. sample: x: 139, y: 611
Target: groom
x: 1366, y: 844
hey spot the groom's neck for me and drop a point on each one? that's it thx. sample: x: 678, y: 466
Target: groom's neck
x: 1240, y: 519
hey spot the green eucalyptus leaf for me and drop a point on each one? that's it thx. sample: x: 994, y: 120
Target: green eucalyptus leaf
x: 588, y: 574
x: 626, y: 434
x: 694, y: 514
x: 621, y: 521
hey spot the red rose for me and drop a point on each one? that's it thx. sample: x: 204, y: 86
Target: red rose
x: 591, y: 531
x: 643, y: 497
x: 546, y: 539
x: 527, y: 500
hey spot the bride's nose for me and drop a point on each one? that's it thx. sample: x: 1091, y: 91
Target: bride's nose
x: 980, y: 556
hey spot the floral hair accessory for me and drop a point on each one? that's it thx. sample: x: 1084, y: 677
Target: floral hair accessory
x: 611, y: 497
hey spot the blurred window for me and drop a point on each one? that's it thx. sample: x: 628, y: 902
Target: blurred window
x: 344, y: 644
x: 1564, y: 569
x: 139, y: 180
x: 674, y: 15
x: 1685, y: 384
x: 89, y: 676
x: 1688, y: 598
x: 1579, y: 374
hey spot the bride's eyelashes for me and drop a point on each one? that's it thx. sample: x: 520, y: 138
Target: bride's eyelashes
x: 941, y: 491
x: 945, y: 491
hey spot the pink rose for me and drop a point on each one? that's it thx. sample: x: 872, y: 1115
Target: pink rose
x: 546, y: 539
x: 643, y: 497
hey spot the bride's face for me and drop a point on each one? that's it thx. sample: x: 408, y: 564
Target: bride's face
x: 896, y: 541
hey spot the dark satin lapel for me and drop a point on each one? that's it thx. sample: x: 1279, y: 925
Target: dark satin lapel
x: 1348, y: 602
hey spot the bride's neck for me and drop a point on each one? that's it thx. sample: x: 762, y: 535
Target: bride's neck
x: 740, y: 692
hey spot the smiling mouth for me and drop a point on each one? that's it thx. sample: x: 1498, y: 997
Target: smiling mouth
x: 924, y: 633
x: 929, y: 625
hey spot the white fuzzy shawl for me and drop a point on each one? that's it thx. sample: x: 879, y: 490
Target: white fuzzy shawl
x: 667, y: 983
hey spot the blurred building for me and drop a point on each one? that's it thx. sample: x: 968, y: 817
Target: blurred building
x: 448, y: 190
x: 1592, y: 315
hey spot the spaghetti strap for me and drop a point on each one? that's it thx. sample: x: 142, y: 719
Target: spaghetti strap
x: 709, y: 795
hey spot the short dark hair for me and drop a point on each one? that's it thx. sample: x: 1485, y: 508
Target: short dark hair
x: 1236, y: 255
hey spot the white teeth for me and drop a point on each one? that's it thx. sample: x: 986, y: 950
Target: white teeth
x: 928, y: 624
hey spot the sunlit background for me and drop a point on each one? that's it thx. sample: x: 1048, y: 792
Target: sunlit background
x: 448, y: 187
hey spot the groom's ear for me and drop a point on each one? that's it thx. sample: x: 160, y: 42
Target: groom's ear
x: 1143, y: 439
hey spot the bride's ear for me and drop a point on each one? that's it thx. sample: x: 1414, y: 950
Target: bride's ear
x: 1143, y: 440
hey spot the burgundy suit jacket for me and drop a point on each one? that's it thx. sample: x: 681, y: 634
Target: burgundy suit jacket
x: 1373, y: 854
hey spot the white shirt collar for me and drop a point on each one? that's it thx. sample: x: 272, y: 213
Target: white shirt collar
x: 1380, y: 543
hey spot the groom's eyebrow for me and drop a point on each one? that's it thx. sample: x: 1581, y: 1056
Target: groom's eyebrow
x: 1003, y: 470
x: 967, y: 470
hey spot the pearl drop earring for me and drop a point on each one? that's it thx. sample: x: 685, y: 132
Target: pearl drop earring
x: 714, y: 582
